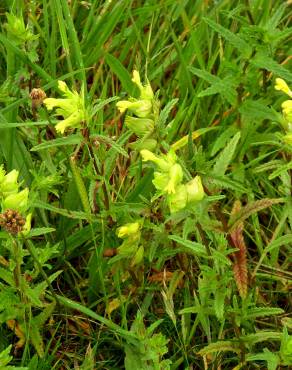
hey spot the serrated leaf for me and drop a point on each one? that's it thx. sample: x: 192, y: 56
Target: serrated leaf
x: 272, y: 359
x: 279, y: 170
x: 40, y: 231
x: 64, y: 212
x: 265, y: 62
x: 61, y: 141
x: 165, y: 113
x: 225, y: 87
x: 220, y: 142
x: 101, y: 104
x: 225, y: 157
x: 253, y: 313
x: 196, y: 248
x: 114, y: 145
x: 234, y: 39
x: 221, y: 346
x: 250, y: 209
x: 257, y: 110
x: 219, y: 303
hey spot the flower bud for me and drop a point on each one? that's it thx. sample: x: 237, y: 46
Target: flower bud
x: 128, y: 230
x: 195, y: 190
x: 37, y: 97
x: 140, y: 126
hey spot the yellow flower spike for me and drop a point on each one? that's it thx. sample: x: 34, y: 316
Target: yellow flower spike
x: 281, y: 85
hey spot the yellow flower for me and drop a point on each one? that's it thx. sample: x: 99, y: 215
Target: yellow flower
x: 281, y: 85
x: 141, y: 108
x: 146, y: 91
x: 128, y: 230
x: 287, y: 109
x: 72, y: 108
x: 160, y: 162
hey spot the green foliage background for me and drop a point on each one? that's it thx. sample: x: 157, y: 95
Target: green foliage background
x: 213, y: 65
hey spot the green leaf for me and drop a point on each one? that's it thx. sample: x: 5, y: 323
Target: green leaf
x: 86, y: 311
x: 121, y: 72
x: 225, y: 87
x: 64, y: 212
x: 253, y: 313
x: 265, y: 62
x: 225, y: 157
x: 118, y: 148
x: 250, y: 209
x: 196, y: 248
x: 62, y: 141
x: 221, y: 346
x: 234, y: 39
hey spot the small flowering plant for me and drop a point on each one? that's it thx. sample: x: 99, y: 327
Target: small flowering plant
x: 168, y: 180
x: 71, y: 107
x: 130, y: 249
x: 14, y: 217
x: 144, y: 112
x: 281, y: 85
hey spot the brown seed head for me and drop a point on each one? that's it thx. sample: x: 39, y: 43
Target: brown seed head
x: 12, y: 221
x: 37, y: 96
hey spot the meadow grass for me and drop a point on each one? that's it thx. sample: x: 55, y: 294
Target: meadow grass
x: 188, y: 283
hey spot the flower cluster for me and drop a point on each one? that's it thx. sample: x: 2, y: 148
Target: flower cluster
x: 14, y: 203
x: 130, y: 248
x: 71, y: 108
x: 168, y: 180
x: 281, y: 85
x: 144, y: 110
